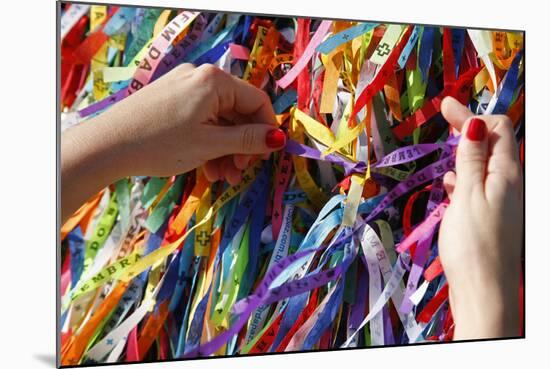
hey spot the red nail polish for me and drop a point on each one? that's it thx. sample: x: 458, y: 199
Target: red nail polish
x: 477, y: 129
x: 275, y: 139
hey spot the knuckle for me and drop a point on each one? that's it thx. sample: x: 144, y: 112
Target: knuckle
x: 472, y: 157
x: 249, y: 138
x: 504, y: 121
x: 264, y: 97
x: 207, y: 73
x: 208, y: 77
x: 183, y: 69
x: 514, y: 175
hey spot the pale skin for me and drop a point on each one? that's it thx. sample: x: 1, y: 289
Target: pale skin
x: 189, y: 118
x: 480, y: 238
x: 203, y: 117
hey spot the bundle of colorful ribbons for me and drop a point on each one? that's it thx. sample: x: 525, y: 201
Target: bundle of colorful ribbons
x: 331, y: 243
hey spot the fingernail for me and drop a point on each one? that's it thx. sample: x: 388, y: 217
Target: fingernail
x: 477, y: 129
x: 275, y: 139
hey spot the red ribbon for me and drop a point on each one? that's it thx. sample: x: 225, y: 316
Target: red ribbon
x: 381, y: 77
x: 306, y: 313
x: 303, y: 81
x: 435, y: 303
x: 459, y: 90
x: 434, y: 270
x: 266, y: 340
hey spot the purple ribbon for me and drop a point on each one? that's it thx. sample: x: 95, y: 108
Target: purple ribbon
x: 245, y: 307
x: 430, y: 172
x: 296, y: 148
x: 399, y: 156
x: 413, y: 152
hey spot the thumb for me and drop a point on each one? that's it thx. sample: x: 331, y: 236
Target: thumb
x: 471, y: 156
x: 244, y: 139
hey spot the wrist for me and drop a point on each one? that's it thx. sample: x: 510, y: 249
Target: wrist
x: 93, y: 150
x: 485, y: 310
x: 113, y: 146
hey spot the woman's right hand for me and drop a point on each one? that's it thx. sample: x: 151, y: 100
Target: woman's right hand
x: 481, y: 234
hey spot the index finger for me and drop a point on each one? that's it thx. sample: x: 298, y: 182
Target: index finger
x: 502, y: 142
x: 503, y: 148
x: 238, y: 100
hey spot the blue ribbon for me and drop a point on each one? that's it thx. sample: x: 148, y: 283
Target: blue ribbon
x: 246, y: 28
x: 76, y: 248
x: 212, y: 55
x: 184, y: 272
x: 153, y: 243
x: 122, y: 16
x: 408, y: 47
x: 195, y: 329
x: 170, y: 280
x: 342, y: 37
x: 244, y: 208
x: 284, y: 101
x: 425, y: 51
x: 180, y: 347
x: 458, y: 36
x: 510, y: 82
x: 256, y: 223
